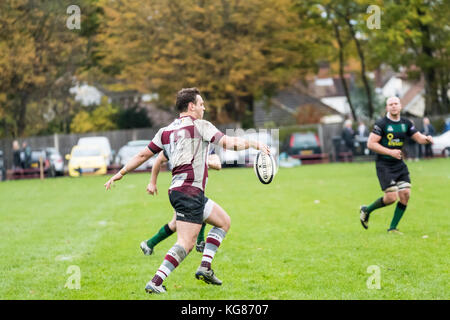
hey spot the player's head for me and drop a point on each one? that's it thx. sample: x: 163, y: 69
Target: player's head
x: 189, y: 100
x: 393, y: 106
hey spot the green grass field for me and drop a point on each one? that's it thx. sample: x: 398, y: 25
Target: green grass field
x: 297, y: 238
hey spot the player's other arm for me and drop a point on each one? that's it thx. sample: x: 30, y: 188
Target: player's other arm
x: 151, y: 187
x: 214, y: 162
x: 132, y: 164
x: 373, y: 143
x: 238, y: 144
x: 421, y: 138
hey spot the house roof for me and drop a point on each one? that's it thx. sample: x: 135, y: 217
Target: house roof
x: 283, y: 107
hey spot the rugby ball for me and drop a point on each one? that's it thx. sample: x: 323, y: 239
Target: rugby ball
x: 265, y: 167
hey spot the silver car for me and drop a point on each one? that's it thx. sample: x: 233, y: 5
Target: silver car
x: 129, y: 150
x: 56, y: 160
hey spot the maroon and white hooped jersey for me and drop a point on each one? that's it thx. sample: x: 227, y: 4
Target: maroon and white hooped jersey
x: 186, y: 141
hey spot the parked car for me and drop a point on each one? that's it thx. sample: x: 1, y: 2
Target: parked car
x: 247, y: 157
x: 86, y: 160
x: 441, y: 145
x: 56, y: 160
x: 302, y: 145
x: 100, y: 142
x: 129, y: 150
x: 36, y: 156
x: 2, y: 167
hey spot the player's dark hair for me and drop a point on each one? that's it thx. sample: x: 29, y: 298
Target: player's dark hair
x: 184, y: 96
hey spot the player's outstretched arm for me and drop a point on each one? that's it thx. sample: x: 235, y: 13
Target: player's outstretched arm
x: 152, y: 185
x: 421, y: 138
x: 238, y: 144
x: 134, y: 162
x: 373, y: 143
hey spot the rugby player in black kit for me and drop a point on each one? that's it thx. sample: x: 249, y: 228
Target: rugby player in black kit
x: 387, y: 139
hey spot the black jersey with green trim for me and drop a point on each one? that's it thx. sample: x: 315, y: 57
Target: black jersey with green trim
x: 393, y: 135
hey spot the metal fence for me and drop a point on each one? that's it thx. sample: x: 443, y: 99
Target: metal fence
x: 64, y: 142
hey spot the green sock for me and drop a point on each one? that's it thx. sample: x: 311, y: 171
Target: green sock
x: 376, y: 205
x: 162, y: 234
x: 398, y: 213
x: 201, y: 234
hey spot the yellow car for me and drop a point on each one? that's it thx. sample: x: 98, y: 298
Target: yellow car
x: 86, y: 161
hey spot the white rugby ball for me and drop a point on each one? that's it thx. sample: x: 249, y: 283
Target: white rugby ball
x: 265, y: 167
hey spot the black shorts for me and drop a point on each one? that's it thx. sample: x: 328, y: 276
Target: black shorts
x: 188, y: 207
x: 391, y: 173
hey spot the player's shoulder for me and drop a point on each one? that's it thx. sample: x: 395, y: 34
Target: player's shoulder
x: 379, y: 125
x: 407, y: 121
x: 161, y: 130
x: 202, y: 122
x: 381, y: 122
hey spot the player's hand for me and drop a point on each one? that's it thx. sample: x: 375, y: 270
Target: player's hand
x: 111, y: 181
x: 397, y: 154
x: 152, y: 189
x: 429, y: 139
x: 263, y: 147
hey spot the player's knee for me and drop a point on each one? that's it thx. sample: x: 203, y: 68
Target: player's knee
x: 187, y: 245
x: 172, y: 225
x: 389, y: 198
x: 227, y: 223
x: 404, y: 196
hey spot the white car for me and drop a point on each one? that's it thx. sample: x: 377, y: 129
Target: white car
x: 441, y: 145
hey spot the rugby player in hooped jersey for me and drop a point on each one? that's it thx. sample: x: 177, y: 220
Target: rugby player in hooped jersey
x: 387, y: 139
x: 186, y: 142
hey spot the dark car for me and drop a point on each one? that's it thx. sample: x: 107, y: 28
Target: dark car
x: 304, y: 146
x: 2, y: 167
x: 49, y: 168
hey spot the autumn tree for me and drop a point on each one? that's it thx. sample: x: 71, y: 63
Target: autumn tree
x: 415, y: 34
x: 100, y: 118
x: 233, y: 51
x: 39, y: 56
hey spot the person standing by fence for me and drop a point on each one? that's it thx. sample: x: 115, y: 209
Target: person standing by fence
x: 16, y: 155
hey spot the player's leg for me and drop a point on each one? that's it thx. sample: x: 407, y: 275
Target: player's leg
x: 403, y: 194
x: 163, y: 233
x: 221, y: 224
x: 186, y: 236
x: 200, y: 246
x: 189, y: 218
x: 388, y: 186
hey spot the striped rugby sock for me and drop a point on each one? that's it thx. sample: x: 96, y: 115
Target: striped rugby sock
x: 173, y: 258
x: 213, y: 241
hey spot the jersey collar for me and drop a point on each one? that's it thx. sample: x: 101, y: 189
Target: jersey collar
x: 388, y: 116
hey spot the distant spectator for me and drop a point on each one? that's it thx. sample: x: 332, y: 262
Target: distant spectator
x: 25, y: 155
x: 348, y: 135
x: 447, y: 125
x: 428, y: 130
x: 16, y: 154
x: 362, y: 130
